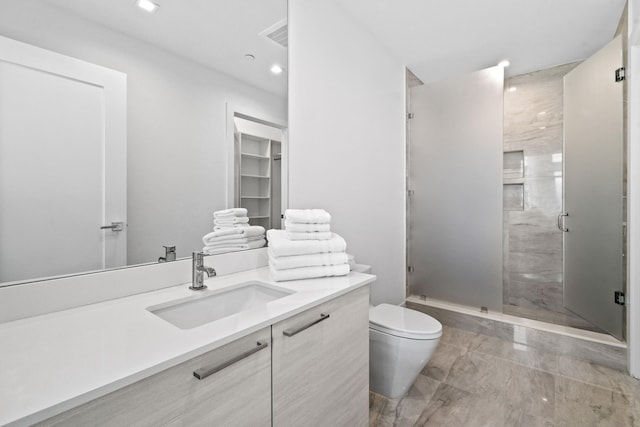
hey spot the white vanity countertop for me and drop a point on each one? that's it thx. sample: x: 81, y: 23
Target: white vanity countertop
x: 54, y: 362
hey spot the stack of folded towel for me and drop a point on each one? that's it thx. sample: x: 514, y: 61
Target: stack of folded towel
x: 306, y: 248
x: 230, y: 218
x: 232, y: 232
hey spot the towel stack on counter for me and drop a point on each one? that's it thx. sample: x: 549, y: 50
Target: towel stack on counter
x: 306, y: 248
x: 232, y: 232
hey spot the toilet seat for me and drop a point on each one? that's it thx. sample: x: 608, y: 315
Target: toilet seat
x: 404, y: 322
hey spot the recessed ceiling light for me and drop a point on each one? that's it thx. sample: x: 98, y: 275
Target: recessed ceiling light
x: 512, y: 89
x: 504, y: 63
x: 147, y: 5
x: 249, y: 57
x: 276, y: 69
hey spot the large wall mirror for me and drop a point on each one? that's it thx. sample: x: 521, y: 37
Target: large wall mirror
x: 187, y: 67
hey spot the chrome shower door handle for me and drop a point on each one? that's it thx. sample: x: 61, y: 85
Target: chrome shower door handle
x: 115, y: 226
x: 561, y: 222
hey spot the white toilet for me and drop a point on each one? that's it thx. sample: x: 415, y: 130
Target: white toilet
x: 401, y: 342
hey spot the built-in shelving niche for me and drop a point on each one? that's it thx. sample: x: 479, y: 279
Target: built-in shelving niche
x: 513, y: 175
x: 513, y: 164
x: 513, y: 197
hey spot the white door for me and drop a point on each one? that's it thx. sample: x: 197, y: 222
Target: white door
x: 62, y: 164
x: 593, y: 161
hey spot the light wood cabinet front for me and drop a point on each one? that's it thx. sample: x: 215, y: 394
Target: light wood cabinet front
x: 238, y: 395
x: 321, y: 364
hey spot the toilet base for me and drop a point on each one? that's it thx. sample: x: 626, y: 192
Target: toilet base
x: 394, y: 362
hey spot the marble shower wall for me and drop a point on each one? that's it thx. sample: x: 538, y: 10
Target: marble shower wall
x: 533, y: 132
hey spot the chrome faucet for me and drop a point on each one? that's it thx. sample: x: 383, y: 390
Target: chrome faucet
x: 197, y: 268
x: 169, y: 254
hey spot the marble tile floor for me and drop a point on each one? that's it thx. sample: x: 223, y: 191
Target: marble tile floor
x: 477, y: 380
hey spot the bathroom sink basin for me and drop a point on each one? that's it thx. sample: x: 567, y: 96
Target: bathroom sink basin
x: 197, y: 310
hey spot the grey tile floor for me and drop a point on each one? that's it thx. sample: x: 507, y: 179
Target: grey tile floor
x: 477, y: 380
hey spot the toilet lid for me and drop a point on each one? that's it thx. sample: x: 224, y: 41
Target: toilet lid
x: 404, y: 322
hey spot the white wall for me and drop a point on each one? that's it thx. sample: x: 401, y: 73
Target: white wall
x: 177, y: 151
x: 347, y: 137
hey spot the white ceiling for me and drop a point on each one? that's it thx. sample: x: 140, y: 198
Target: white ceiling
x: 435, y: 39
x: 440, y: 38
x: 214, y: 33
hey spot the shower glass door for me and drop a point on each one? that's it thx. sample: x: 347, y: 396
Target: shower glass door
x: 593, y: 179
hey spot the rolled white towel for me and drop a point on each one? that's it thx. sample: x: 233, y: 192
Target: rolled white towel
x: 230, y: 227
x: 301, y: 227
x: 309, y: 272
x: 227, y: 242
x: 309, y: 260
x: 281, y: 246
x: 312, y: 235
x: 229, y: 213
x: 233, y: 233
x: 232, y: 220
x: 254, y: 244
x: 307, y: 216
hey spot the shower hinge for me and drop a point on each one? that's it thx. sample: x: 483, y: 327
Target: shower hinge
x: 410, y: 269
x: 410, y: 193
x: 409, y: 115
x: 619, y: 298
x: 620, y: 74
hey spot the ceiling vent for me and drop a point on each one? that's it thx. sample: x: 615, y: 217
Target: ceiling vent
x: 278, y: 33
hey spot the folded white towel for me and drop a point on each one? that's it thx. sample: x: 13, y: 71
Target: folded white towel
x: 234, y: 233
x: 307, y: 216
x: 232, y: 220
x: 309, y: 272
x: 228, y: 213
x: 230, y: 227
x: 225, y: 249
x: 254, y: 244
x: 313, y: 235
x: 281, y: 246
x: 309, y: 260
x: 228, y: 242
x: 301, y: 227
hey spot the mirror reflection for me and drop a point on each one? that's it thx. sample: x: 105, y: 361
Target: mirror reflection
x: 167, y: 87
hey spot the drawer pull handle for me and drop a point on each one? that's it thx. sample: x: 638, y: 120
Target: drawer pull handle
x: 203, y: 373
x: 292, y: 332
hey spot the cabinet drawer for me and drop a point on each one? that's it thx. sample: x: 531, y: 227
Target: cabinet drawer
x: 238, y: 395
x: 321, y: 364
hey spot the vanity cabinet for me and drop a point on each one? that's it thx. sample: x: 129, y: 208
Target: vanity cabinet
x: 307, y: 370
x: 239, y: 394
x: 320, y: 362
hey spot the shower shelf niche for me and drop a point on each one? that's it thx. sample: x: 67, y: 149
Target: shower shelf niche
x: 513, y: 197
x: 513, y: 164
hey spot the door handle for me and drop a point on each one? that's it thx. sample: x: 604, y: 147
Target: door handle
x: 115, y: 226
x: 561, y: 222
x: 292, y: 332
x: 203, y: 373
